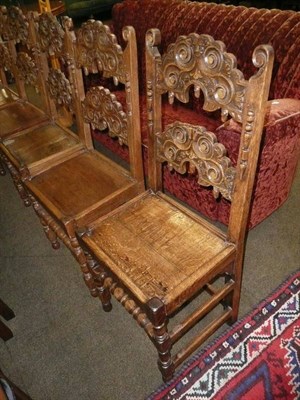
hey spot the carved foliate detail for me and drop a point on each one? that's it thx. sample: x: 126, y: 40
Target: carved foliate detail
x: 59, y: 88
x: 187, y: 147
x: 17, y: 25
x: 6, y: 61
x: 27, y: 69
x: 246, y: 141
x: 102, y: 110
x: 50, y: 34
x: 3, y: 18
x: 203, y: 62
x: 98, y: 50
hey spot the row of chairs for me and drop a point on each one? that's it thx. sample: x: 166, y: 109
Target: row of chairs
x: 132, y: 240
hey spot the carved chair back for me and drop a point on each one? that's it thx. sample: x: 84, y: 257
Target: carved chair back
x: 200, y: 62
x: 97, y: 50
x: 53, y: 41
x: 21, y: 56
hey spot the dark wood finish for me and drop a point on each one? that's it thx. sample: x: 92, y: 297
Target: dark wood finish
x: 7, y: 313
x: 155, y: 255
x: 18, y: 393
x: 74, y: 193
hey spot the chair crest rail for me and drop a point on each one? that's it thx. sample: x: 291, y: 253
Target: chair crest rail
x: 17, y: 26
x: 50, y: 34
x: 203, y: 62
x: 98, y: 50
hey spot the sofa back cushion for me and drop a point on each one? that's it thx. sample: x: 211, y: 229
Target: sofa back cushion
x: 240, y: 28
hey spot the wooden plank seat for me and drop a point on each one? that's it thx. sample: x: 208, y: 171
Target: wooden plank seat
x: 155, y: 255
x: 75, y: 192
x: 34, y: 139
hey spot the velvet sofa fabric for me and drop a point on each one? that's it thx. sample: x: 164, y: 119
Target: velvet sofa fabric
x: 241, y: 29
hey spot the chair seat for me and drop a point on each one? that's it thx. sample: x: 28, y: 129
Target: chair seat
x: 158, y: 250
x: 41, y: 145
x: 20, y: 115
x: 87, y: 183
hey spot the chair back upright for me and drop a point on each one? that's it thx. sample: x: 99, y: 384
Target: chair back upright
x: 97, y: 51
x: 201, y: 62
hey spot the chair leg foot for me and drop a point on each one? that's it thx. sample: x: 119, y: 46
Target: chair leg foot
x: 5, y: 332
x: 103, y: 290
x: 6, y: 312
x: 162, y: 341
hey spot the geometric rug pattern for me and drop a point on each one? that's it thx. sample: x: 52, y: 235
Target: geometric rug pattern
x: 256, y: 359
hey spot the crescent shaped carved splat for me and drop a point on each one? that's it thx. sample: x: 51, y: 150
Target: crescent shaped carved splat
x: 27, y: 69
x: 17, y: 25
x: 3, y: 18
x: 50, y: 34
x: 59, y: 88
x: 184, y: 145
x: 103, y: 111
x: 203, y: 62
x: 98, y: 50
x: 6, y: 61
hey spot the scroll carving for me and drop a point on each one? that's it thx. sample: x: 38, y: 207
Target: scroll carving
x: 3, y: 19
x: 203, y: 62
x: 17, y: 25
x: 59, y: 88
x: 27, y: 69
x: 6, y: 61
x: 184, y: 146
x: 98, y: 50
x: 102, y: 110
x: 50, y: 34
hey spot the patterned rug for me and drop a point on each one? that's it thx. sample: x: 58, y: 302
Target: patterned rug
x: 257, y: 359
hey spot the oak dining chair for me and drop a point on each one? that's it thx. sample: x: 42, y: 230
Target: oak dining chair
x: 71, y: 195
x: 165, y: 264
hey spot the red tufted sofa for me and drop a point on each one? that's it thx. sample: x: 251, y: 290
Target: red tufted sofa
x: 241, y: 29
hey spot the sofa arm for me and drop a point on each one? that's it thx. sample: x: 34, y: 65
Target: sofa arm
x: 278, y: 160
x: 277, y: 111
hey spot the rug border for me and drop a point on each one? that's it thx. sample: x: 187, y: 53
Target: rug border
x: 188, y: 364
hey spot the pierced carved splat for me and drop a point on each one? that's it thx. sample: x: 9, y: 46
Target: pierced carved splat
x: 102, y: 110
x: 59, y: 88
x: 27, y: 69
x: 203, y: 62
x: 50, y: 34
x: 3, y: 18
x: 184, y: 146
x: 98, y: 50
x: 17, y: 25
x: 6, y: 61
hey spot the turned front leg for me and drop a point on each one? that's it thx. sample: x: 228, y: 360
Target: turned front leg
x: 161, y: 338
x: 99, y: 277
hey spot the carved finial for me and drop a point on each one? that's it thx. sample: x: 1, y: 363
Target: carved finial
x: 261, y: 55
x: 153, y: 37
